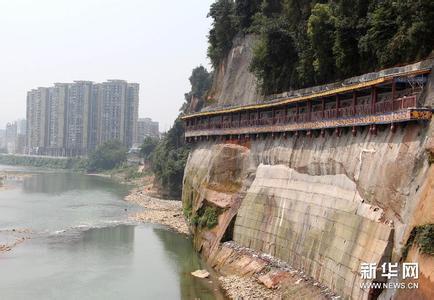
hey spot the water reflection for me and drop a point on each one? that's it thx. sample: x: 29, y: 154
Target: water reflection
x: 76, y: 252
x: 187, y: 261
x: 108, y: 239
x: 54, y: 184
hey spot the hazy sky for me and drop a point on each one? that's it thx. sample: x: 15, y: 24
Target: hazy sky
x: 154, y: 43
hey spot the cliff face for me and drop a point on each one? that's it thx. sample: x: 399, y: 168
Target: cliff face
x: 233, y: 82
x: 324, y: 205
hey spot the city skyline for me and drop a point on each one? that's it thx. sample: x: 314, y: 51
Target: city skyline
x: 70, y: 119
x: 36, y: 54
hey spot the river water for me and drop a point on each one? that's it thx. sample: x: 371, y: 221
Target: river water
x: 83, y: 246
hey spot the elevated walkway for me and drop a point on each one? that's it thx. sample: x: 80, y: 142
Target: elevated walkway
x: 391, y: 99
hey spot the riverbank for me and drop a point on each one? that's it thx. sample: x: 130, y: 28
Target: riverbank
x: 158, y: 211
x: 235, y: 283
x: 50, y: 162
x: 249, y: 274
x: 11, y: 176
x: 12, y: 238
x: 147, y: 195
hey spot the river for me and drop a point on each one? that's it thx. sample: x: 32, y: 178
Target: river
x: 83, y: 246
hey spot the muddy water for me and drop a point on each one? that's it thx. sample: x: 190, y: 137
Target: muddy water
x: 82, y: 245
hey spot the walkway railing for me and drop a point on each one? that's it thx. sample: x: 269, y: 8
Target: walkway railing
x: 379, y: 108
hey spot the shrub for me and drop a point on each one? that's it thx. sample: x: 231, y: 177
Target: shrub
x: 423, y: 238
x: 107, y: 156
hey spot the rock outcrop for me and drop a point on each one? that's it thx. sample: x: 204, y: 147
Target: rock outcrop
x: 233, y: 83
x: 323, y: 205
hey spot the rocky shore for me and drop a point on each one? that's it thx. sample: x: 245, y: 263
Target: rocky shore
x: 272, y: 279
x: 12, y: 238
x: 244, y: 273
x: 238, y: 287
x: 165, y: 212
x: 250, y: 274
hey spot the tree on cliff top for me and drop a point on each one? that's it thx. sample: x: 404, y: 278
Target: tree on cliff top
x: 201, y: 81
x: 224, y: 28
x: 327, y: 40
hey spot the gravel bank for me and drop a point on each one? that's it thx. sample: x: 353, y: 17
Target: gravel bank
x: 165, y: 212
x: 12, y: 238
x: 238, y: 287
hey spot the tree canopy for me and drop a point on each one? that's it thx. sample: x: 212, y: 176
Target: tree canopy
x: 304, y: 43
x: 169, y: 156
x: 148, y: 146
x: 108, y: 156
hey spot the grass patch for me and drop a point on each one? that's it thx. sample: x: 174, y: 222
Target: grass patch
x: 423, y: 237
x: 206, y: 217
x: 430, y: 156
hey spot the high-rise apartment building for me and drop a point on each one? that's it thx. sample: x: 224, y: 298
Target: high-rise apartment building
x: 111, y: 116
x: 146, y: 128
x: 77, y: 117
x: 117, y: 109
x: 2, y: 140
x: 56, y: 122
x: 131, y: 113
x: 11, y: 136
x: 22, y: 127
x: 71, y: 119
x: 37, y: 120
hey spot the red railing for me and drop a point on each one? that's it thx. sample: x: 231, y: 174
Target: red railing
x: 330, y: 114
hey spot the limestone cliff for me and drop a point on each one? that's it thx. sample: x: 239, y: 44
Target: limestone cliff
x: 233, y: 82
x: 324, y: 205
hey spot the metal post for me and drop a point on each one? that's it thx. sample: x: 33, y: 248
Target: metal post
x: 309, y: 110
x: 338, y: 105
x: 393, y: 89
x: 323, y: 107
x: 354, y: 102
x: 297, y: 115
x: 373, y: 99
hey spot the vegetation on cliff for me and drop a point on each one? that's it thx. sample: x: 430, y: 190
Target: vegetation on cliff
x: 148, y: 147
x: 205, y: 217
x: 200, y: 81
x: 168, y: 156
x: 306, y: 43
x: 423, y: 238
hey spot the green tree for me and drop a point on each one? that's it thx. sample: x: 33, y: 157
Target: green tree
x: 321, y: 32
x: 107, y: 156
x: 399, y: 31
x: 245, y: 10
x: 201, y: 81
x: 336, y: 39
x: 169, y: 159
x: 350, y: 22
x: 223, y: 31
x: 275, y: 57
x: 169, y: 156
x: 148, y: 147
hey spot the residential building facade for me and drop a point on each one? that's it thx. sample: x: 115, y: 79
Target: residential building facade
x: 146, y: 128
x: 72, y: 119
